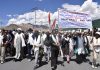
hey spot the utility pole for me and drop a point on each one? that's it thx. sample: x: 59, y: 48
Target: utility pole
x: 34, y: 10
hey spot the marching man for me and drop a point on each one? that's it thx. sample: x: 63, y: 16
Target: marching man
x: 19, y: 42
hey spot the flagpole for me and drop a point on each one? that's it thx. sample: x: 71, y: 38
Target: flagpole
x: 49, y: 20
x: 34, y: 10
x: 58, y: 19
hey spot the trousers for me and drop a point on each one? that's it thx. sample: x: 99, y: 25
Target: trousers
x: 29, y: 47
x: 36, y: 54
x: 54, y: 57
x: 2, y: 54
x: 47, y: 52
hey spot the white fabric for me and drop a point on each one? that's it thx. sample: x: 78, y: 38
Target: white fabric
x: 89, y: 40
x: 71, y: 44
x: 55, y: 39
x: 37, y: 43
x: 80, y: 45
x: 30, y: 39
x: 22, y: 39
x: 97, y: 50
x: 1, y: 39
x: 67, y: 39
x: 98, y: 33
x: 43, y: 37
x: 96, y: 41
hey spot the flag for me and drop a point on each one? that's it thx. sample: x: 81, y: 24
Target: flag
x: 49, y: 20
x: 54, y: 24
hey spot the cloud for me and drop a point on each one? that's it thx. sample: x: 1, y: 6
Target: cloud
x: 39, y: 0
x: 92, y: 7
x: 71, y: 7
x: 88, y: 6
x: 41, y: 18
x: 9, y: 15
x: 12, y: 16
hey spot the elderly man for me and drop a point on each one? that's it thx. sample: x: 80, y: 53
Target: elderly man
x: 80, y: 51
x: 96, y: 49
x: 4, y: 43
x: 54, y: 49
x: 1, y: 43
x: 19, y: 42
x: 1, y: 39
x: 30, y: 43
x: 36, y: 45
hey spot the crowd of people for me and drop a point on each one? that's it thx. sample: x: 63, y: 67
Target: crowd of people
x: 49, y: 45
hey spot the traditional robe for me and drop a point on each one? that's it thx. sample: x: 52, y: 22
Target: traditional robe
x: 30, y: 39
x: 21, y: 37
x: 96, y: 43
x: 1, y: 39
x: 37, y: 43
x: 89, y: 41
x: 19, y: 42
x: 80, y: 49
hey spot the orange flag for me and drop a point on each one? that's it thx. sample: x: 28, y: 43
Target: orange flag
x: 54, y: 24
x: 49, y: 20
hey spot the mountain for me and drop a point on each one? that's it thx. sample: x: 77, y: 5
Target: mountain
x: 25, y: 27
x: 11, y: 27
x: 95, y: 23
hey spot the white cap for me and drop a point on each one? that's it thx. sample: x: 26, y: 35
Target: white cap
x: 98, y: 33
x: 19, y: 29
x: 85, y: 30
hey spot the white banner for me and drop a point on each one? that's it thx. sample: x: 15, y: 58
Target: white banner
x: 68, y: 19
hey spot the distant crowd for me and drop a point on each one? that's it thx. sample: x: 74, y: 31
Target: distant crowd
x: 50, y: 45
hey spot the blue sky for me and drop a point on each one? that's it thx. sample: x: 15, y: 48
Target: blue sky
x: 13, y: 7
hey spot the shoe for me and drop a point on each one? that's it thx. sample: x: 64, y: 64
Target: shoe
x: 53, y: 69
x: 2, y: 62
x: 37, y: 65
x: 68, y: 62
x: 62, y: 64
x: 29, y: 60
x: 94, y: 67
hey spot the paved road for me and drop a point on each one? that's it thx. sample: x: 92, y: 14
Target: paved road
x: 25, y: 65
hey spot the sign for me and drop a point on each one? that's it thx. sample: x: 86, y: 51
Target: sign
x: 68, y: 19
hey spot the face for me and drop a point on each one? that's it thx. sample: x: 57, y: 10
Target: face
x: 19, y: 31
x: 79, y: 34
